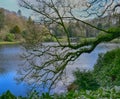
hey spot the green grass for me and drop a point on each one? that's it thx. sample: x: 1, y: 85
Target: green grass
x: 5, y: 42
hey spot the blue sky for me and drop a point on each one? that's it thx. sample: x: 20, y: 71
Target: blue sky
x: 12, y: 5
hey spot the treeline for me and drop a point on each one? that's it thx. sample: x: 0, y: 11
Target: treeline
x: 80, y: 30
x: 12, y: 25
x: 15, y: 27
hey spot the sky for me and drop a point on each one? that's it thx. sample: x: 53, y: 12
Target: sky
x: 12, y: 5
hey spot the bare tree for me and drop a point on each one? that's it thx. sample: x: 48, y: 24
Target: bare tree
x: 46, y: 63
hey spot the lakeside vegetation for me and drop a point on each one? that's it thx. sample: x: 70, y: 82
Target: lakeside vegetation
x: 101, y: 93
x: 46, y: 64
x: 11, y: 26
x: 23, y: 29
x: 90, y: 84
x: 6, y: 42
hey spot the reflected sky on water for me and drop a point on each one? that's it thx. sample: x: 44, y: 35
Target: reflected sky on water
x: 10, y: 61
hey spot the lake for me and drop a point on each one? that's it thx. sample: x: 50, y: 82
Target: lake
x: 10, y: 61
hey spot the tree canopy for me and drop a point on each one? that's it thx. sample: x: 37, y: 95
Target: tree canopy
x: 108, y: 65
x: 2, y: 19
x: 53, y: 59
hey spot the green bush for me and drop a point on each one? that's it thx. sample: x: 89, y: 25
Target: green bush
x: 106, y: 73
x: 7, y: 95
x: 107, y: 68
x: 101, y: 93
x: 85, y: 80
x: 10, y: 37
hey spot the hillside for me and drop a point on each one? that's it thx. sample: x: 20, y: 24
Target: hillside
x: 11, y: 25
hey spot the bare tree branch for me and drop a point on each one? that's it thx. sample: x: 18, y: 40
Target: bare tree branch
x: 46, y: 63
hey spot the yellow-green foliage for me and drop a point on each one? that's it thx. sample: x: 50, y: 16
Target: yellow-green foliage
x: 101, y: 93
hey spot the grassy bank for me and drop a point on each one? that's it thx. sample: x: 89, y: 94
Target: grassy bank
x: 61, y: 40
x: 5, y: 43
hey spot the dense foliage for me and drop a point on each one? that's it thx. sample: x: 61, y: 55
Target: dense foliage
x: 10, y: 37
x: 11, y: 22
x: 107, y: 68
x: 105, y: 73
x: 101, y: 93
x: 85, y: 80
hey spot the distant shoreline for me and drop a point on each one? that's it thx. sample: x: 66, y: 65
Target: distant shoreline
x: 19, y: 42
x: 5, y: 43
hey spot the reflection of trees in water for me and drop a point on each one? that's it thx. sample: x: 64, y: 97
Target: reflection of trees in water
x: 9, y: 58
x: 2, y: 70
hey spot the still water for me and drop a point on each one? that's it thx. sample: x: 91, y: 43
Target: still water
x: 10, y: 61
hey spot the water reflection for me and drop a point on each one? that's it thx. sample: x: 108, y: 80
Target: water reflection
x: 7, y: 82
x: 2, y: 70
x: 85, y: 61
x: 10, y: 62
x: 9, y: 57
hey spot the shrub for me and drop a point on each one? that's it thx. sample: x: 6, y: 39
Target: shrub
x: 10, y: 37
x: 107, y: 68
x: 85, y: 80
x: 7, y: 95
x: 101, y: 93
